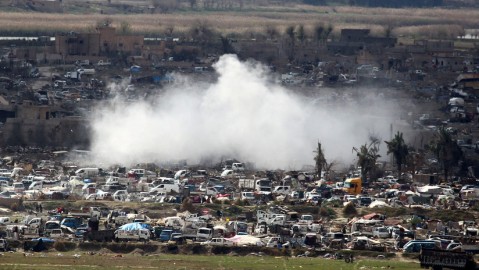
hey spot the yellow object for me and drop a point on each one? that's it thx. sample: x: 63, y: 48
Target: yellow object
x: 353, y: 186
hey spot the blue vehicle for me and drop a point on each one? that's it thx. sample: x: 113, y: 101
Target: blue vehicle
x: 165, y: 235
x: 44, y: 240
x: 71, y: 222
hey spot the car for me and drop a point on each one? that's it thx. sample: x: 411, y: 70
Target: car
x: 365, y: 201
x: 44, y: 240
x: 381, y: 232
x: 3, y: 245
x: 415, y: 246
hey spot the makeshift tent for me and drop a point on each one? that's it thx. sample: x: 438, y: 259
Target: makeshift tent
x: 245, y: 240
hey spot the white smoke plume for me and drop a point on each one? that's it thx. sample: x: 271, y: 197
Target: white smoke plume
x: 244, y: 115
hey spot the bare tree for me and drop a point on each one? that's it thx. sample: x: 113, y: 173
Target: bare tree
x: 271, y: 32
x: 169, y: 30
x: 125, y: 27
x: 105, y: 22
x: 165, y: 6
x: 301, y: 34
x: 290, y: 32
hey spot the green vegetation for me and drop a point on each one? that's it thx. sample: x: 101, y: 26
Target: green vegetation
x: 350, y: 210
x: 399, y: 149
x: 112, y: 261
x: 367, y: 156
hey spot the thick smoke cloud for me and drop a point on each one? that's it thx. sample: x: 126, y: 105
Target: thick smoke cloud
x: 244, y: 115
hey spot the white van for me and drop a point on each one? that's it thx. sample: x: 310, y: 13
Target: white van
x: 284, y: 190
x: 166, y: 188
x: 237, y: 167
x: 39, y: 185
x: 180, y: 174
x: 88, y: 172
x: 247, y: 195
x: 227, y: 174
x: 18, y: 187
x: 5, y: 220
x: 381, y: 232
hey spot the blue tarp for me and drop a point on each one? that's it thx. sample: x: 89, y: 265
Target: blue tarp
x: 134, y: 226
x: 135, y: 69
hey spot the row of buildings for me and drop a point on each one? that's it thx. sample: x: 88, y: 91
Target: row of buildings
x: 354, y: 46
x: 44, y: 124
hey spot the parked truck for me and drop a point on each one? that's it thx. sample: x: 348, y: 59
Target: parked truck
x: 99, y: 236
x: 73, y: 75
x: 353, y: 186
x: 261, y: 186
x: 132, y: 235
x: 204, y: 234
x: 86, y: 212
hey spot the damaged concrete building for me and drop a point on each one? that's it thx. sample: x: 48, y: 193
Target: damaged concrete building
x: 34, y: 125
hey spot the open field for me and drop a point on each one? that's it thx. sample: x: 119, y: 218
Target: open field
x: 444, y: 23
x: 111, y: 261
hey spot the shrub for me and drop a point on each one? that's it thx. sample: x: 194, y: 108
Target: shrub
x: 220, y: 250
x: 235, y: 210
x: 193, y: 249
x: 14, y: 243
x: 327, y: 212
x: 187, y: 205
x: 171, y: 248
x: 64, y: 246
x: 226, y: 202
x: 239, y: 202
x: 148, y: 247
x: 17, y: 206
x: 89, y: 246
x: 121, y: 247
x: 350, y: 210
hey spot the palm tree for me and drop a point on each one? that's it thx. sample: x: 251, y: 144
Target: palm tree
x: 291, y: 33
x: 447, y: 152
x: 320, y: 160
x: 367, y: 156
x: 318, y: 32
x: 399, y: 149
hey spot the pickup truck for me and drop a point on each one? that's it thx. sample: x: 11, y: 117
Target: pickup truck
x: 217, y: 242
x: 86, y: 212
x: 104, y: 63
x: 86, y: 71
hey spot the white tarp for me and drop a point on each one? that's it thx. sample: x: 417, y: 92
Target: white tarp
x: 245, y: 240
x: 378, y: 204
x: 430, y: 189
